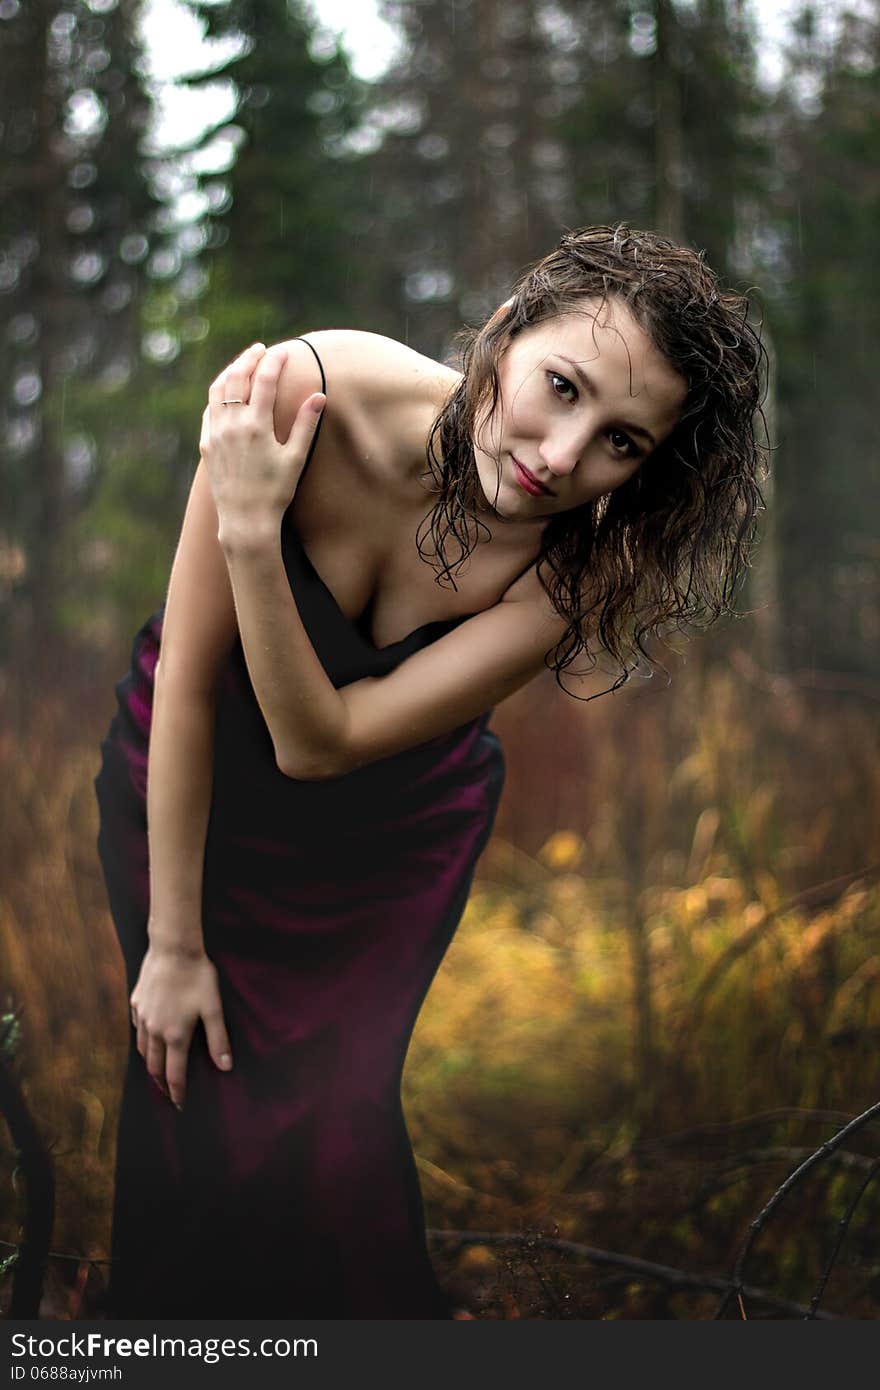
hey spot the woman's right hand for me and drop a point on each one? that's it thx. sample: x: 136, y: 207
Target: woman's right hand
x: 175, y: 989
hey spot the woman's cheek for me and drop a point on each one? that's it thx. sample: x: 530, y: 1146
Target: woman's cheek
x: 487, y: 430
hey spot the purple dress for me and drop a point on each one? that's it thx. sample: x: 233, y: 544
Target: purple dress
x: 287, y: 1187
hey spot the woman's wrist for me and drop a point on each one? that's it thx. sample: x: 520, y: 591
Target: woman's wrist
x: 252, y: 535
x: 186, y: 942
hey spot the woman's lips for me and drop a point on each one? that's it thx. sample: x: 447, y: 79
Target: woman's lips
x: 528, y: 481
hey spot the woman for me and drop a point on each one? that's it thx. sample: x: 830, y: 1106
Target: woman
x: 321, y: 777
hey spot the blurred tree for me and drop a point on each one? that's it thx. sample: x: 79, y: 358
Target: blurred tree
x: 470, y: 167
x: 826, y: 314
x: 406, y: 209
x: 671, y: 131
x: 267, y: 243
x: 728, y: 143
x: 75, y: 228
x: 670, y: 171
x: 668, y: 131
x: 289, y: 219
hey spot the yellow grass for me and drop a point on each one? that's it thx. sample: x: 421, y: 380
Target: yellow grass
x: 629, y: 1043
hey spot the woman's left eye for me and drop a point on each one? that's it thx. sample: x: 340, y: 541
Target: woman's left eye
x: 627, y: 447
x: 566, y: 386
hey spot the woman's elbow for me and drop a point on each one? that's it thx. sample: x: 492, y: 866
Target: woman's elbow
x: 312, y: 767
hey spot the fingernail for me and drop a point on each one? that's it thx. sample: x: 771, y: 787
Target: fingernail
x: 318, y: 403
x: 225, y: 1061
x: 178, y: 1107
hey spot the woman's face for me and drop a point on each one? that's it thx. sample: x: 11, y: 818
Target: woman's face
x: 585, y: 398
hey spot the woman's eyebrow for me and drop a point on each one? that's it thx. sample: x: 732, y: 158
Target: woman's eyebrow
x: 587, y: 383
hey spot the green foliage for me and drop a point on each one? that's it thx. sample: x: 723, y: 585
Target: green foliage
x: 10, y: 1035
x: 826, y: 316
x: 286, y: 255
x: 77, y: 210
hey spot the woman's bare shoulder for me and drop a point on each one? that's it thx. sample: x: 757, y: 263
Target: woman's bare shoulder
x: 382, y: 395
x: 371, y: 367
x: 364, y: 356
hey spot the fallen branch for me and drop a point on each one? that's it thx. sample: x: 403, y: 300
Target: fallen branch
x: 645, y: 1269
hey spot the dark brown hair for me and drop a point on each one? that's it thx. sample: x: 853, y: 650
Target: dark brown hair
x: 666, y: 550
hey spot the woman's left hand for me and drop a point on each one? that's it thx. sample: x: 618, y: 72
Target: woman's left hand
x: 252, y: 474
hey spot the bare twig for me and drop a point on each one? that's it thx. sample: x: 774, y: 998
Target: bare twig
x: 760, y: 1221
x: 842, y: 1228
x: 30, y: 1268
x: 784, y: 1154
x: 785, y: 1112
x: 724, y: 1177
x: 783, y: 684
x: 62, y: 1255
x: 645, y: 1269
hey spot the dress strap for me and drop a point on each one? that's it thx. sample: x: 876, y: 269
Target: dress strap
x: 324, y: 389
x: 317, y: 359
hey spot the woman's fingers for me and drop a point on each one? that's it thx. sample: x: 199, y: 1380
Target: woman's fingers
x: 264, y: 384
x: 305, y: 423
x: 170, y: 998
x: 155, y: 1059
x: 176, y: 1059
x: 217, y: 1038
x: 234, y: 382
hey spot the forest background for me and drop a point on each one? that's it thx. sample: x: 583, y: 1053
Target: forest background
x: 664, y: 995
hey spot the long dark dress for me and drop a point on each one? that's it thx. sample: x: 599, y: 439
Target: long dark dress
x: 287, y: 1187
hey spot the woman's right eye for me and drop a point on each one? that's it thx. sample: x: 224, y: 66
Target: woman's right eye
x: 566, y: 386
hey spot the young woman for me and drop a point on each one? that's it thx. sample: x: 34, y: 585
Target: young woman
x: 344, y: 610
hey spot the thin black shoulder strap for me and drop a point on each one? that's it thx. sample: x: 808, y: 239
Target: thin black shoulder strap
x: 324, y: 389
x: 317, y: 359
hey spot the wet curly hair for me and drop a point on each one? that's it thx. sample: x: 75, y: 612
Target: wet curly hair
x: 666, y: 550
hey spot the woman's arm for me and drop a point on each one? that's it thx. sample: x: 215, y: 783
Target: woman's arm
x: 318, y: 731
x: 177, y: 985
x: 198, y: 630
x: 179, y: 781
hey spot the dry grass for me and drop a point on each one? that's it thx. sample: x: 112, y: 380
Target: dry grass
x: 628, y: 1044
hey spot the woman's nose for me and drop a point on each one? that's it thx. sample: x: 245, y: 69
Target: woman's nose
x: 560, y: 455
